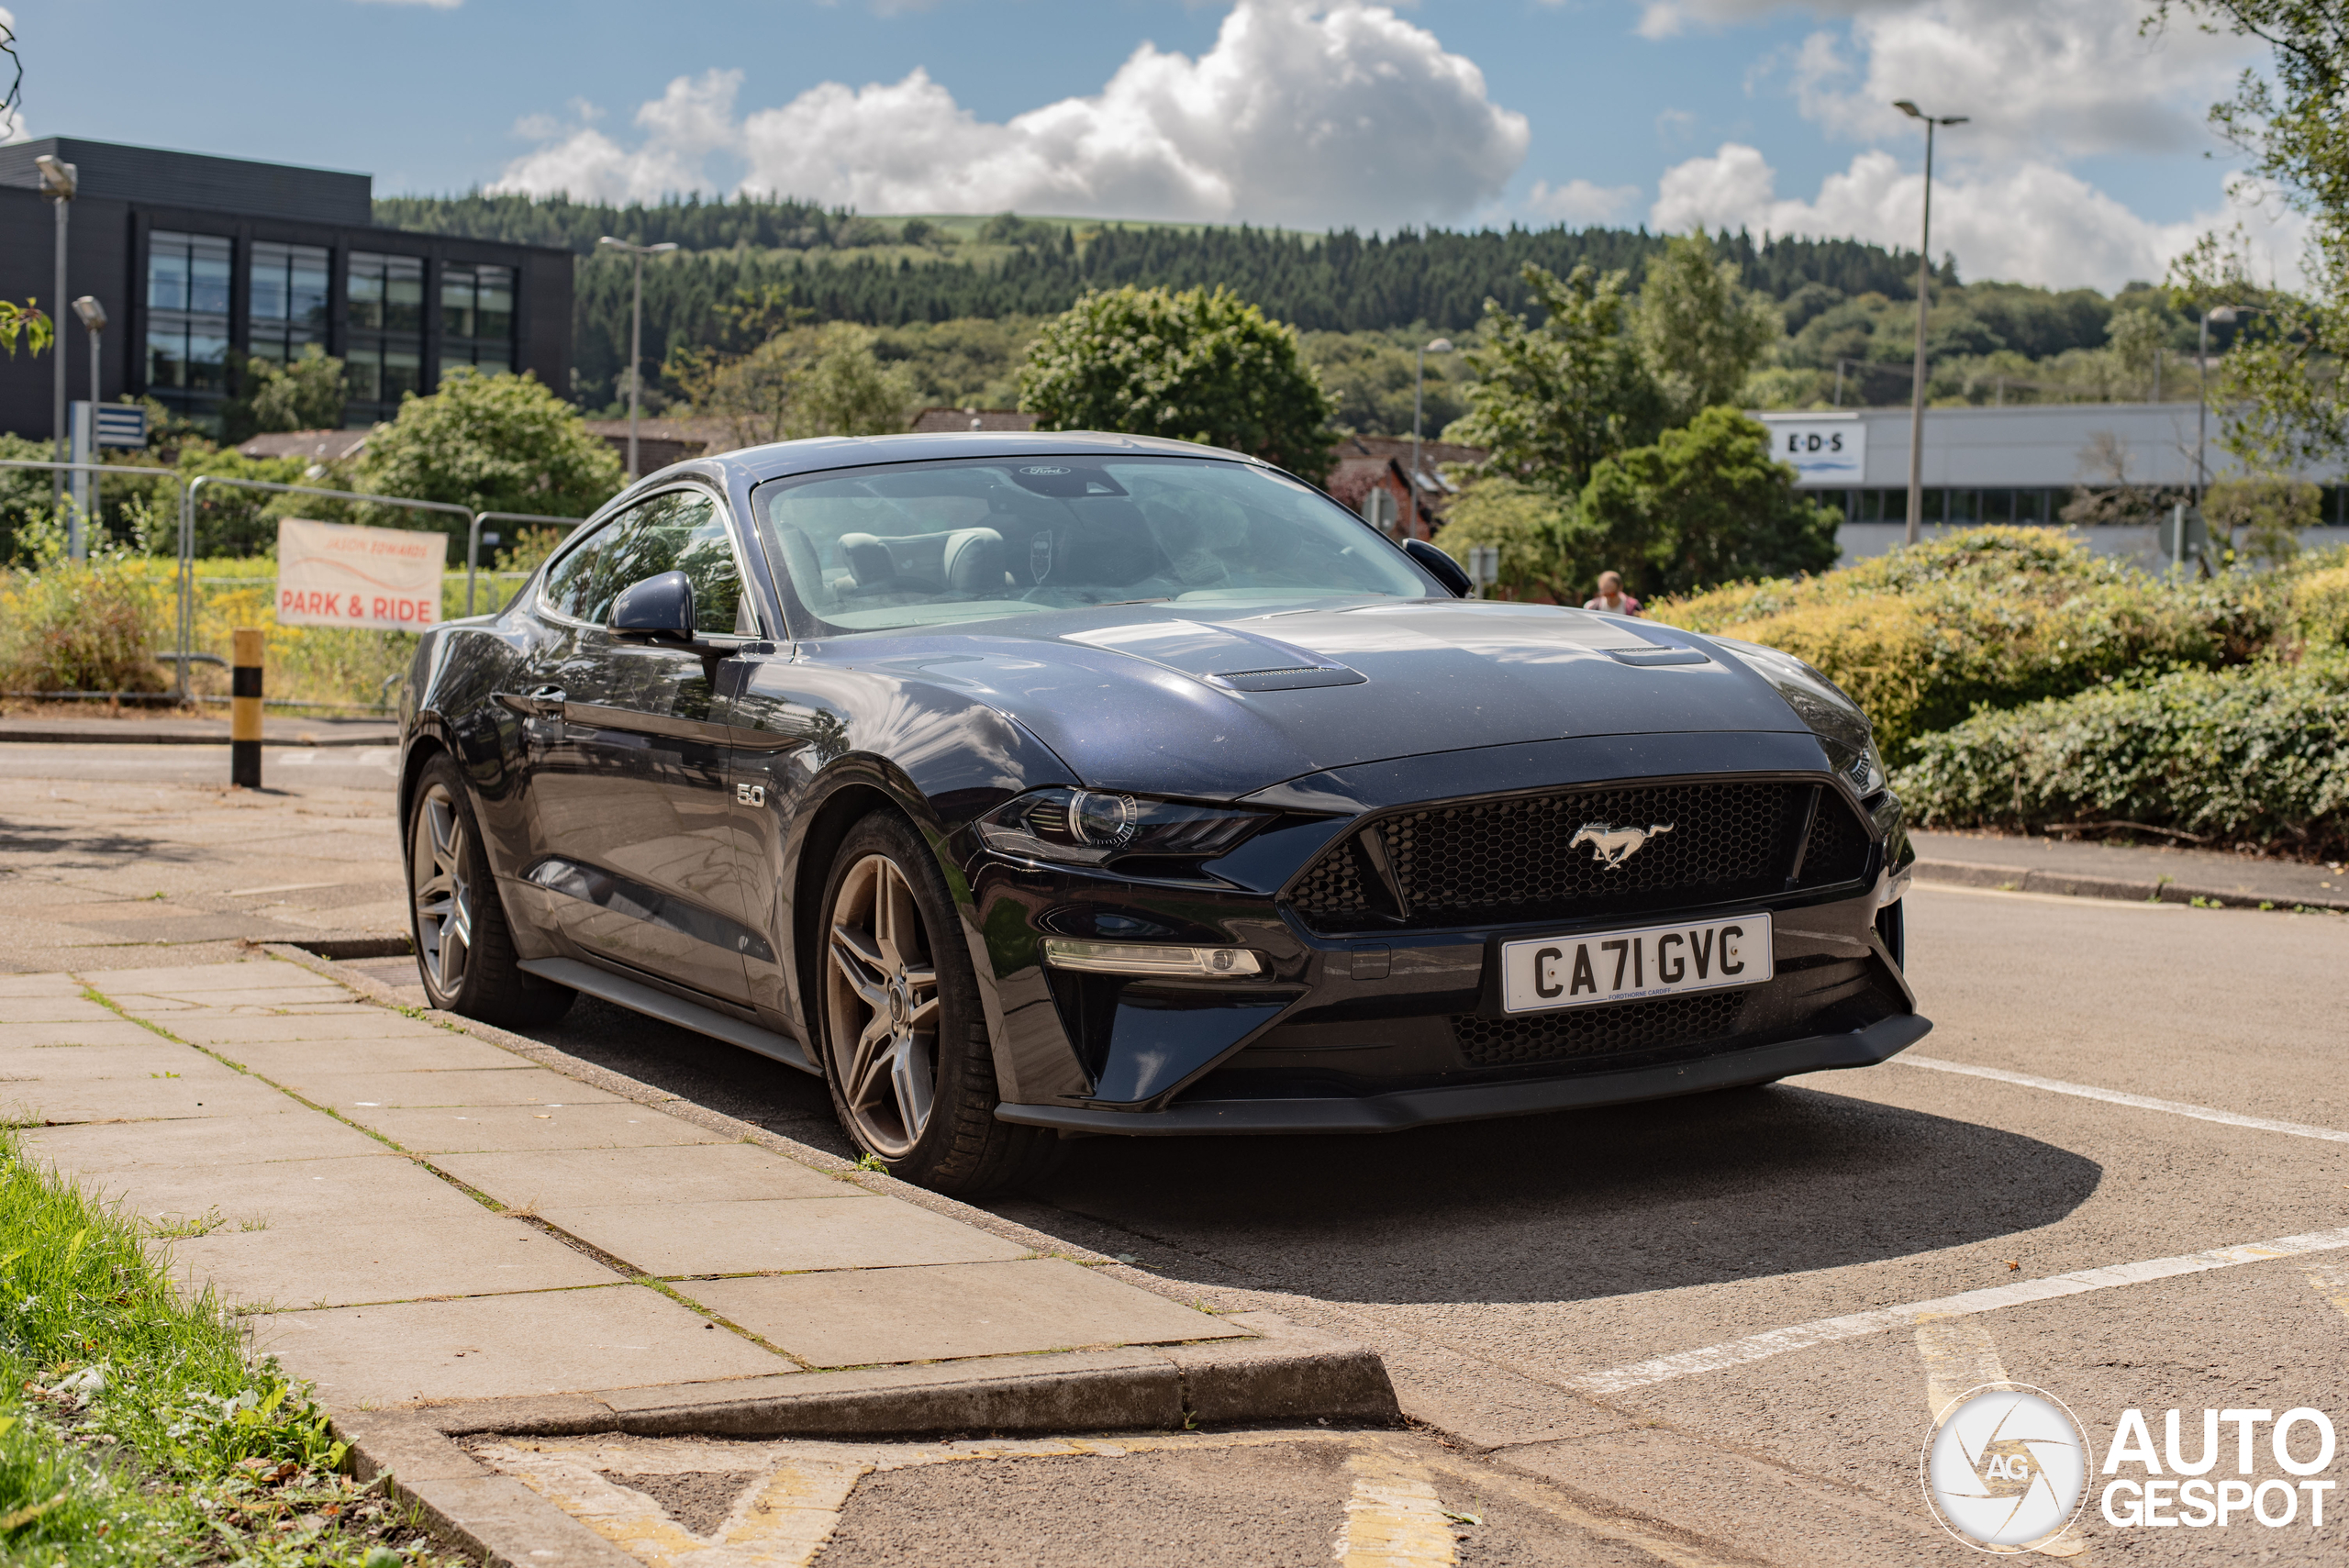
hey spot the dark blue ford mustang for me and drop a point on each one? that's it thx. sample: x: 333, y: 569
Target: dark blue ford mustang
x: 1024, y: 786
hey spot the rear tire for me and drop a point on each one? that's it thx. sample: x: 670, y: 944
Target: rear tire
x: 899, y: 1029
x: 464, y: 948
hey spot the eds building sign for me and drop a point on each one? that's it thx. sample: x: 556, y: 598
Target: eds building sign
x: 338, y: 574
x: 1825, y: 449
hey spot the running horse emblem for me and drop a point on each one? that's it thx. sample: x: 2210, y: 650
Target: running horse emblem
x: 1613, y: 846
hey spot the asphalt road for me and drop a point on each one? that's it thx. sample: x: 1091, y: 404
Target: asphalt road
x: 316, y: 767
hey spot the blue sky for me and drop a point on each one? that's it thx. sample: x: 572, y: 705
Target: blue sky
x: 2088, y: 164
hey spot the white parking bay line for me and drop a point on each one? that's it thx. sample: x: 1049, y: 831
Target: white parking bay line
x: 1826, y: 1330
x: 2141, y: 1102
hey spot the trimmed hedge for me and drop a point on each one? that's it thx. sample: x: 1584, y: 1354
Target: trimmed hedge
x: 1993, y: 616
x: 2255, y: 755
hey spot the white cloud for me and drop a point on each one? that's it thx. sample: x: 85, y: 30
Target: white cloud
x: 1579, y: 201
x: 682, y: 127
x: 1305, y: 112
x: 2029, y: 222
x: 2039, y: 78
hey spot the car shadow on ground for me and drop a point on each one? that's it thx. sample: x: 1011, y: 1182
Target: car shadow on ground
x: 1578, y: 1206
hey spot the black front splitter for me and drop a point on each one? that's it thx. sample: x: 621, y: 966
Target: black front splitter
x: 1476, y: 1102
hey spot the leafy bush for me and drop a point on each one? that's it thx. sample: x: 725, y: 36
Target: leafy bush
x: 2320, y: 605
x: 80, y: 628
x: 1991, y: 616
x: 2258, y: 754
x: 493, y: 443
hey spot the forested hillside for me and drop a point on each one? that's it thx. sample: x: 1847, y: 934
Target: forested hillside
x: 795, y: 262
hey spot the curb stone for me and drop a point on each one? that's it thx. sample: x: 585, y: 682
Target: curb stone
x: 1288, y: 1374
x: 2032, y: 879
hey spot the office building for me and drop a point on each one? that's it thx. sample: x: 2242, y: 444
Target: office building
x: 202, y: 262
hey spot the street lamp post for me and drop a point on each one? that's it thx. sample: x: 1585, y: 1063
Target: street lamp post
x: 58, y: 183
x: 635, y: 334
x: 2225, y: 315
x: 1418, y: 385
x: 1924, y: 277
x: 94, y: 321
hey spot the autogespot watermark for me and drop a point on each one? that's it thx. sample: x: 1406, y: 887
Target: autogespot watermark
x: 2008, y: 1468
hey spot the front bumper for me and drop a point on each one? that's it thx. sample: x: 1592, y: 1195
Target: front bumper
x: 1476, y: 1102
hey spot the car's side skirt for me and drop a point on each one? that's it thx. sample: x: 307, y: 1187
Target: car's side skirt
x: 1472, y: 1102
x: 640, y: 998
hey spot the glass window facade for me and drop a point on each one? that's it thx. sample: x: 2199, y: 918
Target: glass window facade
x: 188, y: 285
x: 384, y: 318
x: 289, y: 300
x: 476, y: 317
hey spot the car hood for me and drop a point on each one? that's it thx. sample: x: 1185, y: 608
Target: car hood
x: 1169, y: 700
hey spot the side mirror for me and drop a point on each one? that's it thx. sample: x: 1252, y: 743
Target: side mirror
x: 1440, y: 566
x: 657, y: 607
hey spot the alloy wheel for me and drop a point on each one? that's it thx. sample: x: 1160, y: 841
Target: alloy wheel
x: 443, y: 892
x: 881, y: 1000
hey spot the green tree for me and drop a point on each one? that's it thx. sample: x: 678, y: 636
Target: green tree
x: 2136, y: 337
x: 305, y: 396
x: 26, y: 321
x: 499, y: 443
x: 1553, y: 401
x: 2282, y: 379
x: 1194, y: 366
x: 1703, y: 506
x: 1530, y: 527
x: 2261, y: 515
x: 1703, y: 332
x: 809, y: 380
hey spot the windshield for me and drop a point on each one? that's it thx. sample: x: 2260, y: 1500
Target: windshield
x: 921, y: 544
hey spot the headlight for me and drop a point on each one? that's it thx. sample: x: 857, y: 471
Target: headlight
x: 1818, y: 701
x: 1136, y: 957
x: 1865, y: 771
x: 1086, y: 826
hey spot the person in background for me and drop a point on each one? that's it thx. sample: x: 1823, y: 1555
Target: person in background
x: 1611, y: 597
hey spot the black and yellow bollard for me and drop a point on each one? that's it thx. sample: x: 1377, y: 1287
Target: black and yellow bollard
x: 244, y: 711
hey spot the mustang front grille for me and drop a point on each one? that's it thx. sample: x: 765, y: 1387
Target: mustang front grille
x: 1527, y: 857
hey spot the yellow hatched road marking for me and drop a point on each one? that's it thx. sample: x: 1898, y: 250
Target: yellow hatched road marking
x: 1960, y: 1356
x: 1394, y: 1519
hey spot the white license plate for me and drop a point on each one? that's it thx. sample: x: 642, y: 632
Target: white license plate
x: 1545, y: 972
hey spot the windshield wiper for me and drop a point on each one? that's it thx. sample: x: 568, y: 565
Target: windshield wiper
x: 1112, y: 604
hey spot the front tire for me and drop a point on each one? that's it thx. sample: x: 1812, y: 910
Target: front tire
x: 900, y: 1029
x: 464, y: 948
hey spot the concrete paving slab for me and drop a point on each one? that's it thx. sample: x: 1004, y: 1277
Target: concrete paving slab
x: 517, y: 1084
x: 353, y: 1189
x: 55, y: 1010
x: 356, y: 1022
x: 173, y: 980
x: 681, y: 1174
x: 386, y: 1258
x: 855, y: 1230
x: 865, y: 1316
x: 74, y: 1063
x: 141, y: 1099
x: 619, y: 1124
x: 194, y: 1145
x: 496, y: 1347
x: 292, y: 1060
x: 138, y: 1003
x: 20, y: 985
x: 116, y: 1032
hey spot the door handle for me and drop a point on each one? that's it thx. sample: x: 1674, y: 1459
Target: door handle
x: 545, y: 701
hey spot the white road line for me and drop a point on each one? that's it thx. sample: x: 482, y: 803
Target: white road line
x: 1826, y: 1330
x: 2141, y: 1102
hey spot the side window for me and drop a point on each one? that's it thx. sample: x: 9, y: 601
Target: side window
x: 570, y: 580
x: 681, y: 531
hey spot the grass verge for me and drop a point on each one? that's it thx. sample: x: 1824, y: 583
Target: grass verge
x: 136, y: 1428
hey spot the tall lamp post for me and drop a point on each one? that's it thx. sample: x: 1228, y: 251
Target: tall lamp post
x: 1419, y: 385
x: 635, y: 334
x: 2226, y: 316
x: 1924, y: 277
x: 94, y: 321
x: 58, y: 183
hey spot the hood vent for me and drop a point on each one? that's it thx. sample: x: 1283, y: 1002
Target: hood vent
x: 1287, y: 679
